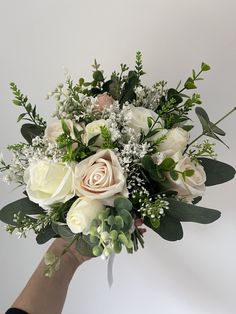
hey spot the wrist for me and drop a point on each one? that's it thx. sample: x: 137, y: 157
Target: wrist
x: 70, y: 257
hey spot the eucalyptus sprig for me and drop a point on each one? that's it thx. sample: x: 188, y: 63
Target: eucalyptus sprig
x: 209, y: 128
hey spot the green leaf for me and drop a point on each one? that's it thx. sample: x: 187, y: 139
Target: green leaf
x: 189, y: 84
x: 28, y: 108
x: 63, y: 231
x: 174, y: 175
x: 65, y: 127
x: 216, y: 129
x: 187, y: 127
x: 189, y: 173
x: 24, y: 206
x: 21, y: 116
x: 30, y: 131
x: 77, y: 133
x: 155, y: 222
x: 189, y: 212
x: 119, y: 222
x: 149, y: 122
x: 205, y: 67
x: 98, y: 76
x: 217, y: 172
x: 174, y: 94
x: 151, y: 168
x: 92, y: 140
x: 170, y: 228
x: 84, y: 246
x: 167, y: 164
x: 127, y: 218
x: 112, y: 87
x: 45, y: 235
x: 16, y: 102
x: 123, y: 203
x: 203, y: 118
x: 128, y: 93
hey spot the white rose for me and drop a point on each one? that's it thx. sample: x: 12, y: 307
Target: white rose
x: 54, y: 130
x: 100, y: 176
x: 174, y: 144
x: 82, y: 213
x: 94, y: 128
x: 49, y: 182
x: 138, y: 118
x: 189, y: 187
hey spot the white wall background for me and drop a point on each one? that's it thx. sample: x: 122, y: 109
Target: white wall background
x: 196, y: 275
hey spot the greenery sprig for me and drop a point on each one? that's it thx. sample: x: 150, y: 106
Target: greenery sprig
x: 22, y: 101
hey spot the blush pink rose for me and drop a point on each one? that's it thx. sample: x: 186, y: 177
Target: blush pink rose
x: 103, y: 101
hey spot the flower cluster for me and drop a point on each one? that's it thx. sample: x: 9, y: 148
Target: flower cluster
x: 117, y: 155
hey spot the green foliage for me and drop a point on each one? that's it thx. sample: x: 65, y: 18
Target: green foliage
x: 107, y: 139
x: 139, y: 64
x: 173, y: 109
x: 23, y: 207
x: 167, y: 164
x: 187, y: 212
x: 63, y: 231
x: 84, y: 246
x: 45, y: 234
x: 29, y: 131
x: 169, y: 229
x: 112, y: 229
x: 217, y: 172
x: 30, y: 114
x: 127, y: 93
x: 204, y: 149
x: 74, y: 149
x: 123, y: 203
x: 208, y: 128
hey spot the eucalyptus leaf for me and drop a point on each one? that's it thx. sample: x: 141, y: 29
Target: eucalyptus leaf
x: 127, y: 218
x: 174, y: 94
x: 63, y: 231
x: 84, y: 246
x: 30, y: 131
x: 45, y: 235
x: 24, y: 206
x: 128, y: 93
x: 188, y: 212
x: 170, y: 228
x: 216, y: 129
x: 123, y: 203
x: 217, y: 172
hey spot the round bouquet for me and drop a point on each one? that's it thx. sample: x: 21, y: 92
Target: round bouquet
x: 117, y: 157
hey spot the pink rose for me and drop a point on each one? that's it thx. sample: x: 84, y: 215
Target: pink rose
x: 103, y: 101
x: 100, y: 176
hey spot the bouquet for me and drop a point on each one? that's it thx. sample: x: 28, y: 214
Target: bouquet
x: 117, y: 157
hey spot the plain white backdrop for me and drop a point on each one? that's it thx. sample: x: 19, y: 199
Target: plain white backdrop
x: 37, y: 38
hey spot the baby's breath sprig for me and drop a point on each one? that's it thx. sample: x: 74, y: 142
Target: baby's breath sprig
x: 153, y: 209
